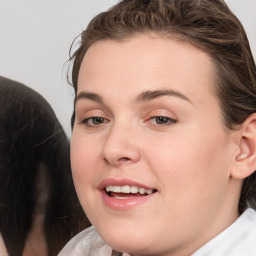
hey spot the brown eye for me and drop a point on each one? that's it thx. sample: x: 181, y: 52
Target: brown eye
x: 163, y: 120
x: 94, y: 121
x: 97, y: 120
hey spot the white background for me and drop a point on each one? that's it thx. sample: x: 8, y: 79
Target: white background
x: 35, y: 36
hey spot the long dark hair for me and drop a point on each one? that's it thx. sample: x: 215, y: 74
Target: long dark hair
x: 32, y: 139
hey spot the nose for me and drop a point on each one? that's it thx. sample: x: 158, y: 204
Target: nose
x: 120, y: 147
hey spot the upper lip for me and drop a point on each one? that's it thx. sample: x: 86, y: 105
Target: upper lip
x: 120, y: 182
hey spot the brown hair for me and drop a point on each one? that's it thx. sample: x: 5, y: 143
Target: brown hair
x: 206, y: 24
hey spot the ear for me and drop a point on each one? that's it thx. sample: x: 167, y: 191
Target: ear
x: 245, y: 159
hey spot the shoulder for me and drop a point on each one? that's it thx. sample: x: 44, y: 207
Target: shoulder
x: 87, y: 242
x: 238, y: 239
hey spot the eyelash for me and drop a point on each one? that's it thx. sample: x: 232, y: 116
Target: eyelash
x: 164, y: 120
x: 99, y: 119
x: 96, y: 121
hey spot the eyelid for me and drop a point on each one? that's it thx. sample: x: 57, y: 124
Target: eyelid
x: 83, y: 115
x: 86, y: 105
x: 170, y: 121
x: 86, y: 122
x: 161, y: 113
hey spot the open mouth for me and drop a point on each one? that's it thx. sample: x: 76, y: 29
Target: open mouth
x: 126, y: 191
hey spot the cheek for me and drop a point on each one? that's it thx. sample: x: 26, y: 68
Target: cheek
x: 83, y: 161
x: 84, y: 165
x: 189, y: 162
x: 191, y: 173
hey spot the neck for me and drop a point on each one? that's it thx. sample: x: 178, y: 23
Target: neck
x: 36, y: 243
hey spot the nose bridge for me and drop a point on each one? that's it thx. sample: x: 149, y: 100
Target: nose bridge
x: 120, y: 145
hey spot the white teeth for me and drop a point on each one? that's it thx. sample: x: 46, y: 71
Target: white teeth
x: 149, y: 191
x: 134, y: 189
x: 116, y: 189
x: 128, y: 189
x: 108, y: 188
x: 142, y: 190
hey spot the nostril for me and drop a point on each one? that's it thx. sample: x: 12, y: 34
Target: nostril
x: 117, y: 152
x: 123, y: 159
x: 118, y: 160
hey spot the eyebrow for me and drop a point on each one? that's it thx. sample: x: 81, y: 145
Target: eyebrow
x: 144, y: 96
x: 150, y: 95
x: 89, y: 96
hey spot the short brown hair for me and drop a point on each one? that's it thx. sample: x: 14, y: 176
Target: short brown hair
x: 207, y: 24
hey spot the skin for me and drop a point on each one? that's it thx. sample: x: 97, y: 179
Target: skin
x: 36, y: 242
x: 187, y: 157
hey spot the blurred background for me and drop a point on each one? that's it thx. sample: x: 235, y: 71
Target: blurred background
x: 35, y: 37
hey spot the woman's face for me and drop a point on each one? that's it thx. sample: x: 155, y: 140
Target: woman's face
x: 151, y: 158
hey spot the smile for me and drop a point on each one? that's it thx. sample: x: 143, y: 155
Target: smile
x: 125, y: 194
x: 117, y: 191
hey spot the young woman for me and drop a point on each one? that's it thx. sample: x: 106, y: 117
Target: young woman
x: 39, y: 210
x: 163, y: 150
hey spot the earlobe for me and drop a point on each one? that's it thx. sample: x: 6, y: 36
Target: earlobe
x: 245, y: 160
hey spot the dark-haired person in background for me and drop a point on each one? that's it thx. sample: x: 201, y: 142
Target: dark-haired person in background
x: 39, y: 209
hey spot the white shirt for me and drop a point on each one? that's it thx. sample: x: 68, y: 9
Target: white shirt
x: 239, y: 239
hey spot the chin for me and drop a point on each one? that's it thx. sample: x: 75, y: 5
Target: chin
x: 130, y: 242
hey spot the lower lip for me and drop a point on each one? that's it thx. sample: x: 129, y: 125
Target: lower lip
x: 124, y: 204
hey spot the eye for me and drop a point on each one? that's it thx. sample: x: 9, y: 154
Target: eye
x: 94, y: 121
x: 162, y: 120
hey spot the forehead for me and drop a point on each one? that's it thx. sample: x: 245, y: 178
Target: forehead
x: 145, y: 61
